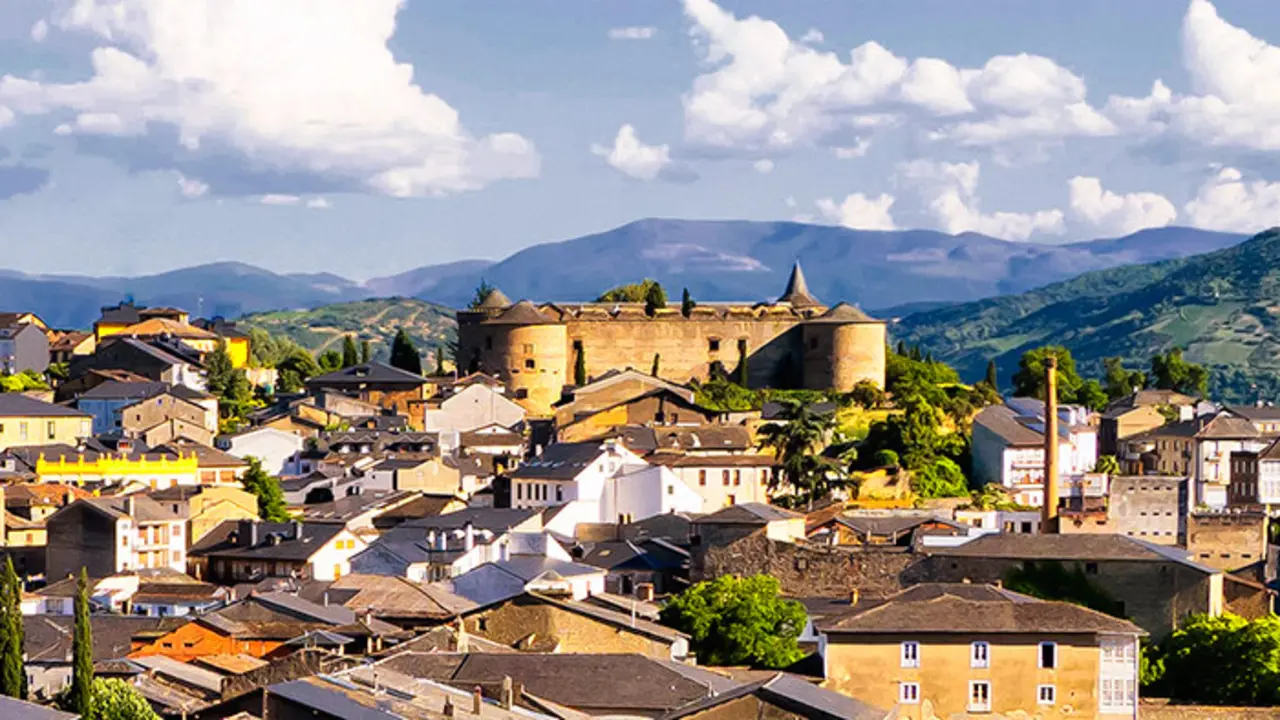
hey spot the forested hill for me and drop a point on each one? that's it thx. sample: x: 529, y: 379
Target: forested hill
x: 1223, y: 308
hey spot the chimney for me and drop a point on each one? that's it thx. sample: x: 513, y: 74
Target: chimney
x: 442, y: 541
x: 297, y: 529
x: 129, y: 506
x: 253, y: 533
x: 644, y: 591
x: 999, y: 583
x: 507, y: 693
x: 1049, y: 511
x: 854, y: 596
x: 326, y: 598
x: 460, y: 642
x: 431, y: 538
x: 448, y: 707
x: 477, y: 700
x: 468, y: 536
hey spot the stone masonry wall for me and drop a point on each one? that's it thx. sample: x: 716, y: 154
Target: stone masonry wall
x: 807, y: 570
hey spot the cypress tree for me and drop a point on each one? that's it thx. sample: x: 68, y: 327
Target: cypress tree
x: 404, y: 354
x: 350, y: 355
x: 366, y: 352
x: 13, y: 678
x: 580, y: 368
x: 655, y: 299
x: 439, y: 361
x: 991, y: 378
x: 740, y: 376
x: 686, y: 304
x: 657, y: 358
x: 79, y: 697
x: 902, y: 348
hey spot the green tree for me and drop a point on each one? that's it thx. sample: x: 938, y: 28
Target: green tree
x: 404, y: 354
x: 1029, y: 380
x: 1107, y: 464
x: 1091, y: 395
x: 481, y: 294
x: 13, y: 676
x: 439, y: 360
x: 738, y: 621
x: 867, y: 394
x: 940, y: 477
x: 259, y: 483
x: 366, y: 352
x: 350, y: 353
x: 22, y: 382
x: 59, y: 371
x: 631, y: 292
x: 886, y: 458
x: 580, y: 367
x: 657, y: 365
x: 992, y: 378
x: 1119, y: 381
x: 796, y: 439
x: 742, y: 372
x: 294, y: 369
x: 655, y: 299
x: 329, y: 361
x: 218, y: 370
x: 115, y: 699
x: 686, y: 303
x: 1172, y: 372
x: 1224, y: 660
x: 80, y: 695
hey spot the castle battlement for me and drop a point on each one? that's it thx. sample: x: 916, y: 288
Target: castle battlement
x: 796, y: 341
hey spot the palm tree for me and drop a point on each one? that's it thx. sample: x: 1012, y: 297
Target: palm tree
x: 797, y: 440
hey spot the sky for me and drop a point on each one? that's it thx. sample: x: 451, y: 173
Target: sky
x: 368, y: 138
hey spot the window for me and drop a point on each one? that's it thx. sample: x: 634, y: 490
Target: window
x: 979, y: 696
x: 702, y: 477
x: 1048, y: 655
x: 724, y: 476
x: 908, y: 693
x: 731, y: 500
x: 559, y: 493
x: 713, y: 345
x: 737, y: 477
x: 22, y: 430
x: 671, y: 489
x: 519, y: 491
x: 529, y: 364
x: 910, y: 654
x: 1118, y: 694
x: 813, y: 343
x: 488, y: 343
x: 1091, y: 568
x: 577, y: 345
x: 53, y: 429
x: 979, y: 655
x: 1046, y: 695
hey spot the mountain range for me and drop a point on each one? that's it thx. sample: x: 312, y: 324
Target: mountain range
x: 1222, y: 308
x: 892, y: 272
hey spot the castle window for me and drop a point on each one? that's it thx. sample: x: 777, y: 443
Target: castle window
x: 522, y: 393
x: 488, y: 342
x: 528, y: 364
x: 813, y: 343
x: 713, y: 345
x: 577, y: 345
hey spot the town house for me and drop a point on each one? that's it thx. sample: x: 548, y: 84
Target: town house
x: 109, y: 535
x: 249, y: 551
x: 1008, y: 446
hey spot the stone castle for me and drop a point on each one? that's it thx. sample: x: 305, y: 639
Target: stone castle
x: 795, y: 341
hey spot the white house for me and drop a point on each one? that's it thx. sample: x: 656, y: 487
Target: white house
x: 430, y: 554
x: 498, y: 580
x: 110, y: 535
x: 1008, y: 446
x: 722, y: 480
x: 273, y: 447
x: 475, y: 406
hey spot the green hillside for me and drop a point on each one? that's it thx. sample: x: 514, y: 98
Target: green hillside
x: 375, y: 320
x: 1222, y: 307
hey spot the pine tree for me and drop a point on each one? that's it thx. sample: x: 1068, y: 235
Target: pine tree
x: 991, y: 378
x: 80, y: 696
x: 404, y: 354
x: 439, y: 361
x: 657, y: 361
x: 686, y: 304
x: 13, y: 677
x: 902, y: 348
x: 655, y: 299
x: 580, y: 368
x: 350, y: 355
x: 740, y: 376
x: 257, y: 482
x: 366, y: 352
x: 218, y: 370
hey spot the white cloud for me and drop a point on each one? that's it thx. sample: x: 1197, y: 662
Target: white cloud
x: 279, y: 199
x: 301, y: 88
x: 850, y: 152
x: 859, y: 211
x: 6, y: 116
x: 632, y: 157
x: 762, y: 90
x: 813, y: 36
x: 1235, y: 89
x: 789, y: 201
x: 950, y: 194
x: 192, y: 188
x: 763, y: 166
x: 1229, y: 203
x: 1117, y: 214
x: 40, y: 31
x: 319, y: 203
x: 632, y: 33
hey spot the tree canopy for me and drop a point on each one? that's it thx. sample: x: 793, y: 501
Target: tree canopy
x: 23, y: 382
x: 79, y: 696
x: 1120, y: 381
x: 258, y: 482
x: 115, y: 699
x: 1224, y: 660
x: 738, y: 621
x: 350, y: 353
x: 13, y: 677
x: 481, y: 294
x: 634, y: 292
x: 797, y: 439
x: 1171, y: 371
x: 404, y: 354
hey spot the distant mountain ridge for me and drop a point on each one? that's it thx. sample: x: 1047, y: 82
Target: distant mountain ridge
x: 716, y: 260
x: 1222, y: 307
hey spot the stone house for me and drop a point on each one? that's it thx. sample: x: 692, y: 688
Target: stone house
x: 26, y: 421
x: 1139, y: 412
x: 1200, y: 448
x: 109, y: 535
x: 964, y: 649
x: 1150, y: 508
x: 474, y: 406
x: 378, y: 384
x: 1230, y: 541
x: 205, y: 507
x: 24, y: 345
x: 249, y: 551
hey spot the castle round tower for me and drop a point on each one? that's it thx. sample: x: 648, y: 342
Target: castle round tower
x: 843, y: 347
x: 521, y: 346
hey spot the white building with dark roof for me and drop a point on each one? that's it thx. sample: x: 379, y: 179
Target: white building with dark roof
x: 1008, y: 447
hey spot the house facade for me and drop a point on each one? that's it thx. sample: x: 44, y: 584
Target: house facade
x: 1008, y: 447
x: 23, y: 346
x: 110, y: 535
x: 27, y: 421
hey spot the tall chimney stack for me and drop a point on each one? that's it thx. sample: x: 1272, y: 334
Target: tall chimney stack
x: 1049, y: 512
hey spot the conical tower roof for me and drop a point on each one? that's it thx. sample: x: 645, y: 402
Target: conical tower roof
x: 797, y: 292
x: 495, y: 300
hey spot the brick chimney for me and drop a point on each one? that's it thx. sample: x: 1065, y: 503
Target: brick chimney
x: 477, y: 700
x: 129, y: 506
x: 1049, y: 512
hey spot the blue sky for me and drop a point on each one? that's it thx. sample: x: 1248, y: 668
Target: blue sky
x: 369, y: 138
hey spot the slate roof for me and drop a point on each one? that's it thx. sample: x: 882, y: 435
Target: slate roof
x: 521, y: 313
x: 1256, y: 413
x: 164, y: 593
x: 705, y: 437
x: 886, y: 525
x: 119, y: 390
x: 1003, y: 422
x: 843, y: 312
x: 351, y: 506
x: 490, y: 439
x: 1067, y: 547
x: 966, y: 608
x: 1226, y: 426
x: 797, y: 291
x: 48, y: 638
x: 747, y: 514
x: 495, y: 520
x: 206, y: 456
x: 145, y: 510
x: 560, y: 461
x: 792, y: 694
x: 229, y: 539
x: 19, y: 405
x: 374, y: 373
x: 15, y: 709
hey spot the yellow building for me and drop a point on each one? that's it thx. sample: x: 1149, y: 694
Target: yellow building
x: 27, y: 421
x: 202, y: 335
x: 205, y: 507
x: 953, y: 650
x: 151, y: 470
